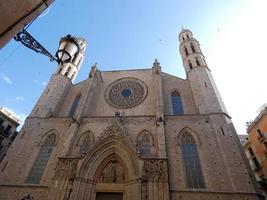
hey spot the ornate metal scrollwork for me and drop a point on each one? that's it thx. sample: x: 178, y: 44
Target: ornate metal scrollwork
x: 27, y: 197
x: 26, y: 39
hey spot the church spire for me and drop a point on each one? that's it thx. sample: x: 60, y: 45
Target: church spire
x: 190, y: 51
x: 71, y: 67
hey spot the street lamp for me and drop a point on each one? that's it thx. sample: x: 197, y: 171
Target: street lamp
x: 68, y: 47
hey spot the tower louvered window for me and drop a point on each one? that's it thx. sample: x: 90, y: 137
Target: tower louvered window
x: 74, y: 106
x: 41, y: 161
x: 68, y: 71
x: 194, y: 177
x: 177, y: 106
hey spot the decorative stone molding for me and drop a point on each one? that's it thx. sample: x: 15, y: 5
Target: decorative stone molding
x: 115, y: 129
x: 155, y: 170
x: 66, y: 168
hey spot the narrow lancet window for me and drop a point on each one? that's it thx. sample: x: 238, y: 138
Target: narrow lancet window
x: 186, y: 51
x: 68, y: 71
x: 177, y: 106
x: 41, y: 161
x: 193, y: 48
x: 74, y: 106
x: 194, y: 177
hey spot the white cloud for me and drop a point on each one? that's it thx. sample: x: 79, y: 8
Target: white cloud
x: 6, y: 78
x: 44, y: 83
x: 20, y: 98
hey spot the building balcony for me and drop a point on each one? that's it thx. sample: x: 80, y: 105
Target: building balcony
x: 257, y: 168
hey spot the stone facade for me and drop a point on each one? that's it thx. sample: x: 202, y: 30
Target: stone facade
x: 165, y: 138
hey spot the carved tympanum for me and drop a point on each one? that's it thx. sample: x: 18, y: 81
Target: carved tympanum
x: 112, y: 173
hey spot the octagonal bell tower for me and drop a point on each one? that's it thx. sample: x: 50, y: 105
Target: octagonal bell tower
x: 72, y: 54
x: 205, y: 93
x: 70, y: 57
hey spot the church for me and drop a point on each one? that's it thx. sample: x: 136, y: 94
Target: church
x: 139, y: 134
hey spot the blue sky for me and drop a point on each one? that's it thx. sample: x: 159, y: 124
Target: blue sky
x: 121, y: 35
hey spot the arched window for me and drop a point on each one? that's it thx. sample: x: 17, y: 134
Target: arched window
x: 68, y: 71
x: 190, y: 64
x: 192, y: 47
x: 74, y: 106
x: 177, y: 106
x: 85, y: 142
x: 72, y: 76
x: 145, y: 142
x: 41, y: 161
x: 186, y: 51
x: 194, y: 177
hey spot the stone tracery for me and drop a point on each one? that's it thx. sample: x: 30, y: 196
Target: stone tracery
x: 126, y: 93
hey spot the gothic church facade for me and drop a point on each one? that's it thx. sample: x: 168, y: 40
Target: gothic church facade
x: 129, y: 135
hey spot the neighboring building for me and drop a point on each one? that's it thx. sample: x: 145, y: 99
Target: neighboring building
x: 8, y: 125
x: 243, y: 138
x: 139, y: 134
x: 256, y: 148
x: 16, y: 14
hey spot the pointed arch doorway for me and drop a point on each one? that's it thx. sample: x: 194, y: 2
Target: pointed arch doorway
x: 111, y: 178
x: 109, y: 196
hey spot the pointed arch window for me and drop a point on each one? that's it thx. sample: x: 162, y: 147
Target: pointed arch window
x: 145, y: 142
x: 194, y: 177
x: 192, y: 47
x: 86, y: 141
x: 177, y: 106
x: 186, y: 51
x: 41, y: 161
x: 74, y: 106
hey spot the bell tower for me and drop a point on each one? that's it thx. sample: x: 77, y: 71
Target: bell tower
x: 70, y: 55
x: 205, y: 92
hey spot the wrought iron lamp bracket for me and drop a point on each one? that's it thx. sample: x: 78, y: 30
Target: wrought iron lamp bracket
x: 29, y: 41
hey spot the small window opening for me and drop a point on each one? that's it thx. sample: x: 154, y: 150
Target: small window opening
x: 68, y: 71
x: 187, y: 36
x: 260, y: 134
x: 190, y: 65
x: 186, y: 51
x: 197, y: 61
x: 221, y: 128
x: 206, y: 84
x: 193, y: 48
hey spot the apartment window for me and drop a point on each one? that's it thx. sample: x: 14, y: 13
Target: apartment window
x: 257, y: 165
x: 260, y: 134
x: 177, y: 106
x: 7, y: 130
x: 41, y: 161
x: 251, y: 151
x: 194, y: 177
x: 1, y: 121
